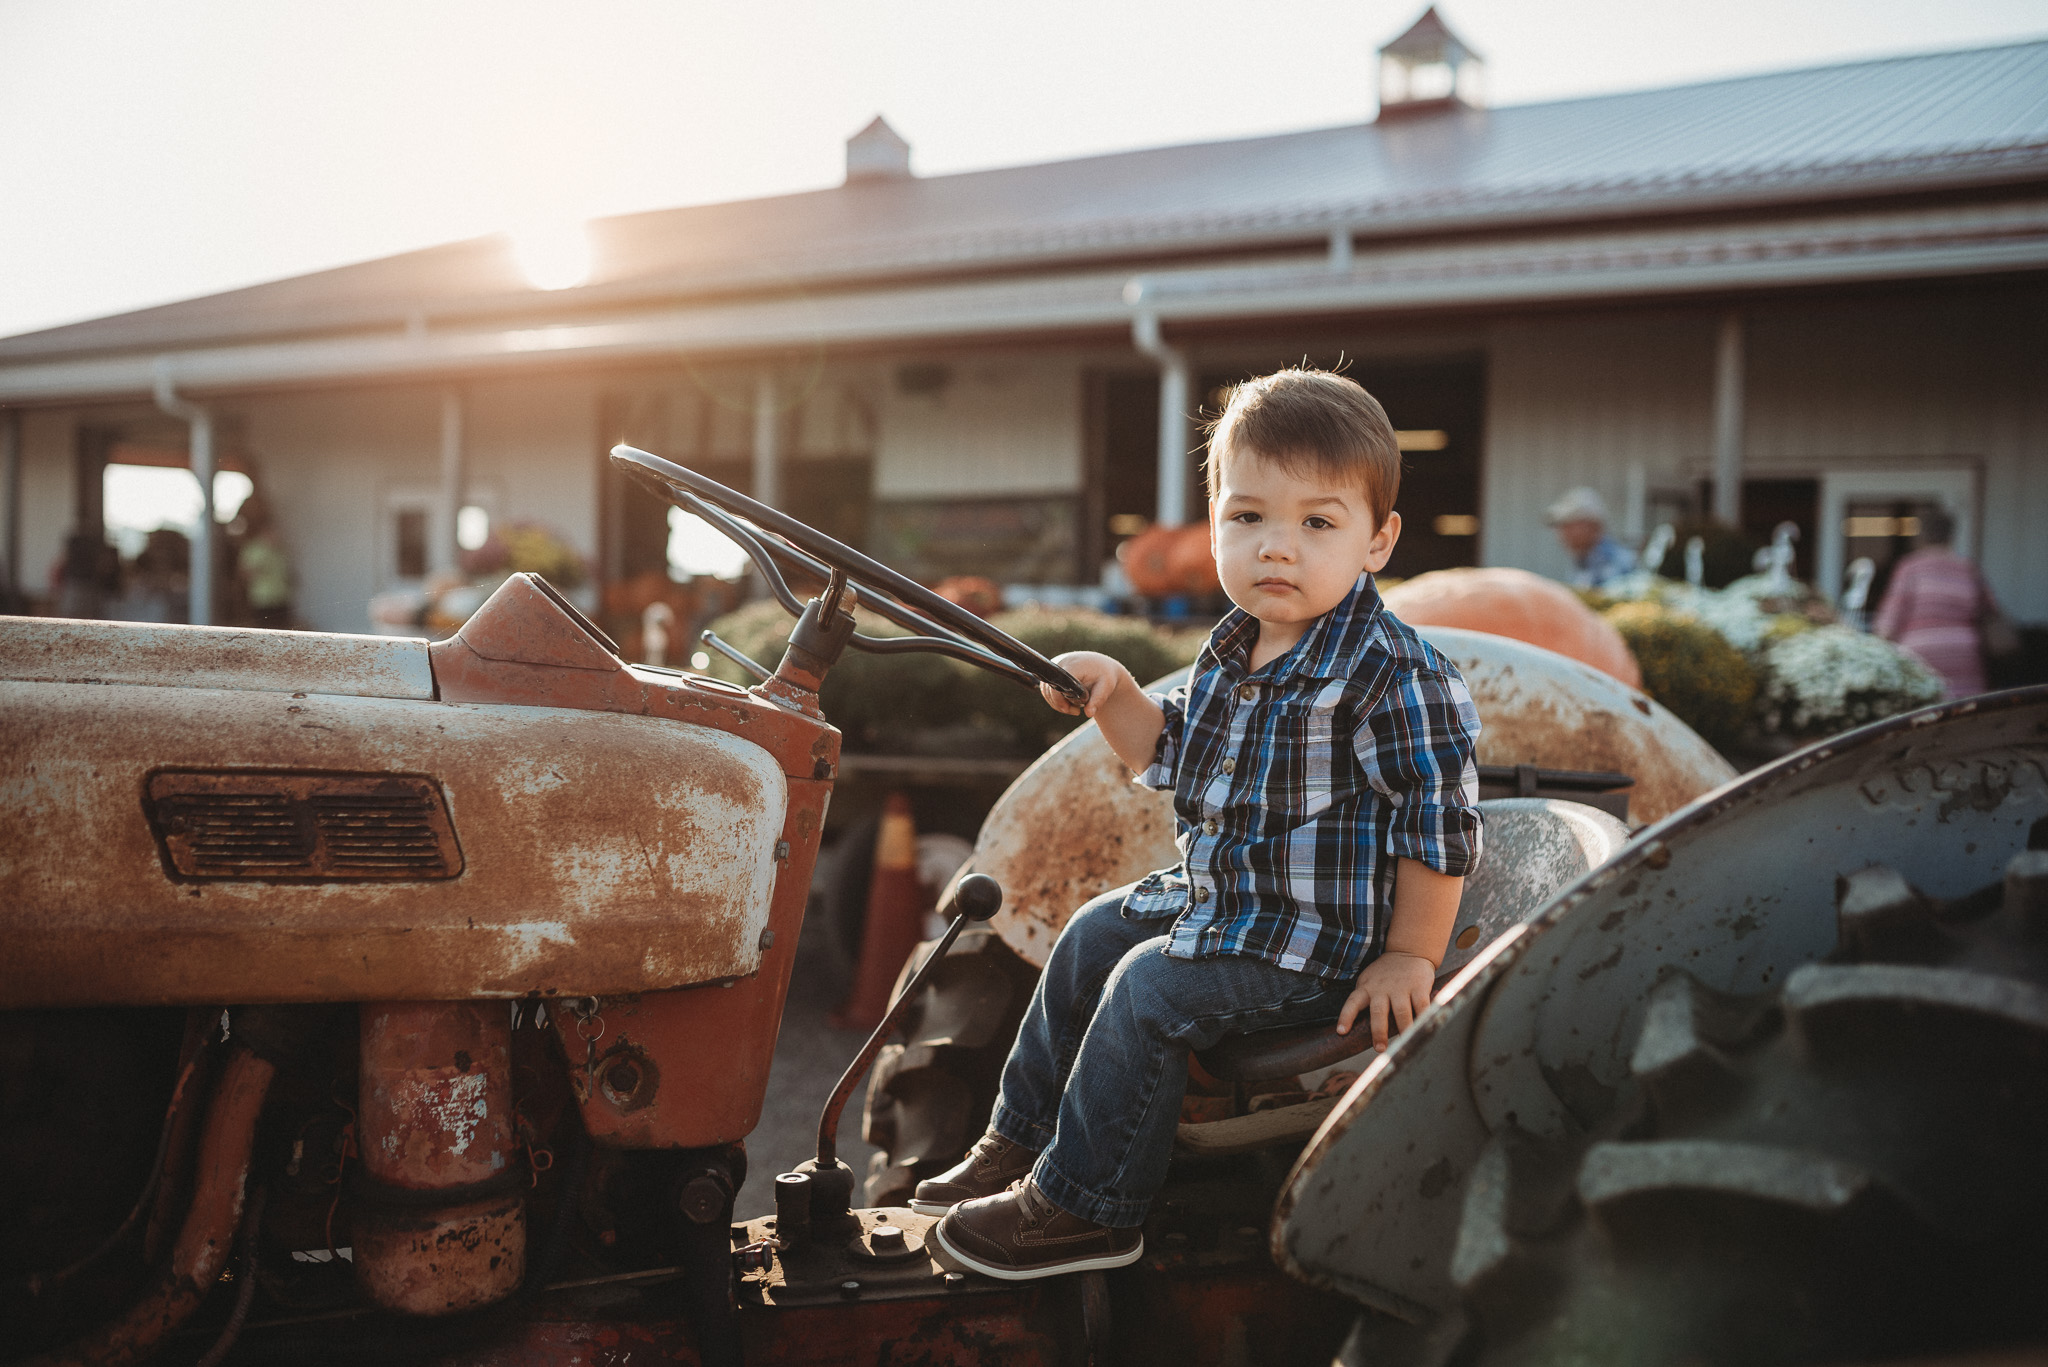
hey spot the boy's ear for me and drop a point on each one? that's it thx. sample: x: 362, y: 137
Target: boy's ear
x: 1382, y: 548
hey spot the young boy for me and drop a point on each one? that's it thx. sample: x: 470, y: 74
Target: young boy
x: 1321, y: 762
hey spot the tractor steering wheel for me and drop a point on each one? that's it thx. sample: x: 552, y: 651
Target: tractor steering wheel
x: 937, y: 625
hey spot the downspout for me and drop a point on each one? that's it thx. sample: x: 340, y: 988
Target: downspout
x: 200, y: 418
x: 1174, y: 436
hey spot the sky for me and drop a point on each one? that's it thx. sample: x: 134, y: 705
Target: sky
x: 152, y: 151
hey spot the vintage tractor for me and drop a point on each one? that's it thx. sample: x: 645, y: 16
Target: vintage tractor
x: 369, y: 1001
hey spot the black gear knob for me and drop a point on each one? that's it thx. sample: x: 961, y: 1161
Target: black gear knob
x: 977, y: 897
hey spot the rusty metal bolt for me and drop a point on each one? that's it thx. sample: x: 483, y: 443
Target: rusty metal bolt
x: 702, y: 1198
x: 886, y: 1239
x: 849, y: 1289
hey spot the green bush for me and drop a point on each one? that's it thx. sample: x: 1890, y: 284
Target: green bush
x: 1690, y: 668
x: 927, y: 703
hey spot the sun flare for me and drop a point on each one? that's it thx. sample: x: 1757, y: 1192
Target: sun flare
x: 553, y: 255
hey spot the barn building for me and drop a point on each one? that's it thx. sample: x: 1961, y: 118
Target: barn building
x: 1818, y: 296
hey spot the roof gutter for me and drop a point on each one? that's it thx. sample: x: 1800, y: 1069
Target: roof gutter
x: 200, y: 419
x: 1683, y: 260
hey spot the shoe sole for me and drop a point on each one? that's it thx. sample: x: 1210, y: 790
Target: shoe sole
x: 933, y: 1207
x: 949, y: 1256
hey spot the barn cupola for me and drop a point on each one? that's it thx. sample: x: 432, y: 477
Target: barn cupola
x: 1429, y: 68
x: 877, y: 152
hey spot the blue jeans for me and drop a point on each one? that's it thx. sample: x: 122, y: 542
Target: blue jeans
x: 1095, y: 1079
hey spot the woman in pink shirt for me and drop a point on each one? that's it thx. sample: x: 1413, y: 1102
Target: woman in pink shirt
x: 1933, y: 605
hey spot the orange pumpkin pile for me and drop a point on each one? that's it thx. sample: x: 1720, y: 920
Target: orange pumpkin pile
x: 1162, y: 562
x: 1518, y: 604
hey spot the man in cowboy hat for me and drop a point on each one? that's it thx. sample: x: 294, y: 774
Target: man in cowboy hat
x: 1580, y: 518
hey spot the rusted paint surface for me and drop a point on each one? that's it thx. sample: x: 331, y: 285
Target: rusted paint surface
x: 60, y: 650
x: 435, y: 1115
x: 278, y: 824
x: 527, y: 650
x: 710, y: 1046
x: 1538, y: 707
x: 203, y: 1244
x: 442, y: 1260
x: 1737, y: 890
x: 1074, y: 825
x: 436, y: 1103
x: 602, y: 853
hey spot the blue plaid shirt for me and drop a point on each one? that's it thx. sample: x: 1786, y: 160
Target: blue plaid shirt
x: 1298, y: 785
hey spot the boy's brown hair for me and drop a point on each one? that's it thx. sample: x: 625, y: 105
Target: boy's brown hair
x: 1309, y: 423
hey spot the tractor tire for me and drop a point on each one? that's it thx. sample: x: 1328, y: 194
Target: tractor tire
x: 1845, y: 1167
x: 931, y: 1093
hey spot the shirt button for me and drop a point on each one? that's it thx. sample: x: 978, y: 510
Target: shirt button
x: 1201, y: 894
x: 1248, y: 693
x: 1209, y: 826
x: 1230, y: 766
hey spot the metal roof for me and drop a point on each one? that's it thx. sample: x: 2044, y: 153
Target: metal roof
x: 1935, y: 121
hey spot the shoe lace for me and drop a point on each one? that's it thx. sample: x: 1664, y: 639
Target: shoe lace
x: 990, y: 1150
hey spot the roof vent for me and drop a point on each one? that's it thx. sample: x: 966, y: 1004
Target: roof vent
x: 877, y: 152
x: 1430, y: 68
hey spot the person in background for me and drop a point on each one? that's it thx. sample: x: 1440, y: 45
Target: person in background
x: 263, y: 567
x: 1933, y: 605
x: 1580, y: 518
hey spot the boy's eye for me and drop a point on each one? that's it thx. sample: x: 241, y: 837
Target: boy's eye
x: 1247, y: 518
x: 1317, y: 521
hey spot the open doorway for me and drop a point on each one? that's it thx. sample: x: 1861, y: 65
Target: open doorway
x: 1438, y: 410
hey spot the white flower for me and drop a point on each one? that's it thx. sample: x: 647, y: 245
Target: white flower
x: 1831, y: 678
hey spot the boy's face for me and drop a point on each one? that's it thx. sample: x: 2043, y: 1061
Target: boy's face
x: 1289, y: 548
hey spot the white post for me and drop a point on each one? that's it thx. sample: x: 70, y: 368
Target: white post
x: 1728, y: 376
x: 200, y: 420
x: 767, y: 441
x: 447, y: 554
x: 201, y: 613
x: 1174, y: 433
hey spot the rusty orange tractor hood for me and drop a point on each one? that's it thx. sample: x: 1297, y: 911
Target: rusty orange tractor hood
x: 210, y: 815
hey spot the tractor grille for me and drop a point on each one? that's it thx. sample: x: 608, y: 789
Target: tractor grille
x: 295, y: 825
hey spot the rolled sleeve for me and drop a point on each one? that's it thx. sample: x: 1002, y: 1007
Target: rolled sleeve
x: 1418, y: 749
x: 1159, y: 775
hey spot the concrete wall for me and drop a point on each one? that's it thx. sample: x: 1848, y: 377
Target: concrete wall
x: 1955, y: 377
x: 1002, y: 425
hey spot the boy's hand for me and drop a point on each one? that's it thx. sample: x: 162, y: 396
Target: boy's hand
x: 1099, y: 674
x: 1396, y: 985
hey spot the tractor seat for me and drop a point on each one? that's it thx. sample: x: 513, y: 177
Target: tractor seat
x: 1535, y: 848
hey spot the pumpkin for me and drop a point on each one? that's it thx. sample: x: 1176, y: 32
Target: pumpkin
x: 1162, y: 562
x: 1517, y: 604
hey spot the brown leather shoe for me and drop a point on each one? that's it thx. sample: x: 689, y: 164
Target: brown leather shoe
x: 1018, y: 1234
x: 990, y: 1166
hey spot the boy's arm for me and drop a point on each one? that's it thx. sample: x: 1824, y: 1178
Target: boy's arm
x: 1398, y: 983
x: 1130, y: 720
